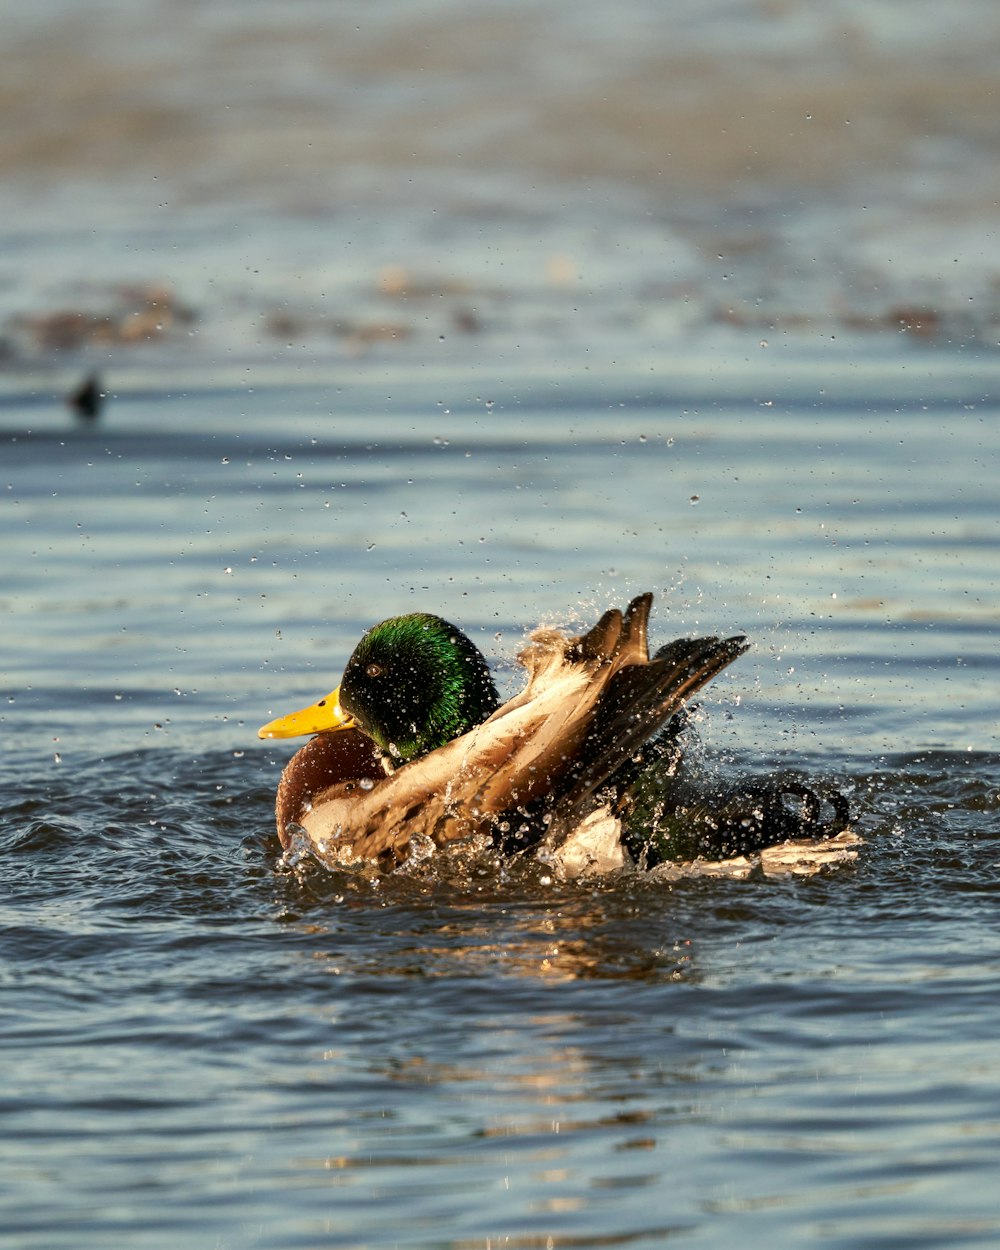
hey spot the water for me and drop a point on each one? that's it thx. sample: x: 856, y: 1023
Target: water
x: 511, y: 348
x: 202, y: 1048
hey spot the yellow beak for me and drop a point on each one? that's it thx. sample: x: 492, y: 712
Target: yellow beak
x: 319, y: 717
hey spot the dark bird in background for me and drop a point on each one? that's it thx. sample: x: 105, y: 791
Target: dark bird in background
x: 88, y: 398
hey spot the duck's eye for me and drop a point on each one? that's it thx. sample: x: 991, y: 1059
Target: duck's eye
x: 374, y: 670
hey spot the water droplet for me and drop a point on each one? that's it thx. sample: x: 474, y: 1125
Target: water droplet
x: 421, y: 847
x: 695, y: 499
x: 366, y: 783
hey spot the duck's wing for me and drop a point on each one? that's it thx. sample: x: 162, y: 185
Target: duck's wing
x: 626, y: 696
x: 555, y: 716
x: 641, y: 698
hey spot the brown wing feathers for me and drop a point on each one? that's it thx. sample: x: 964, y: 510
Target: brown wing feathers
x: 642, y: 696
x: 617, y: 638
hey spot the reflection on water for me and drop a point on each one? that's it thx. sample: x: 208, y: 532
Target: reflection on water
x: 578, y: 933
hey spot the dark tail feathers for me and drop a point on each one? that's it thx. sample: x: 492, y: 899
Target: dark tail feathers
x: 720, y: 823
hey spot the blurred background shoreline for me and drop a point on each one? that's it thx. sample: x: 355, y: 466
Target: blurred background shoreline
x: 337, y: 174
x: 274, y: 102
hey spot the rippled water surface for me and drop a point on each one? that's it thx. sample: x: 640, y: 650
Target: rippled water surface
x: 204, y: 1049
x: 509, y: 315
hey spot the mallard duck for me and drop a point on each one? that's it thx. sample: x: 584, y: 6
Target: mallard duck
x: 414, y: 744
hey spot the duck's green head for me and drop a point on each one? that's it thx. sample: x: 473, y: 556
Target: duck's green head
x: 412, y: 684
